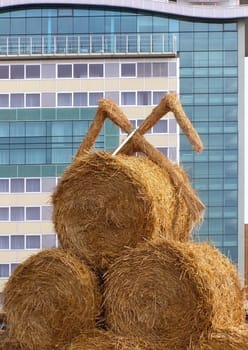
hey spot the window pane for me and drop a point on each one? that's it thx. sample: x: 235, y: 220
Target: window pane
x: 17, y: 185
x: 128, y: 70
x: 173, y: 154
x: 4, y: 270
x: 16, y: 100
x: 17, y: 242
x: 35, y: 156
x: 172, y: 126
x: 48, y: 241
x: 47, y: 212
x: 32, y: 185
x: 144, y: 98
x: 128, y: 98
x: 48, y: 184
x: 4, y: 100
x: 17, y: 129
x: 33, y: 242
x: 94, y: 98
x: 111, y: 70
x: 33, y: 213
x: 160, y: 127
x: 144, y: 69
x: 4, y: 214
x: 160, y: 69
x: 48, y: 71
x: 113, y: 95
x: 157, y: 96
x: 33, y: 71
x: 80, y: 99
x: 17, y: 214
x: 4, y: 242
x: 33, y: 100
x: 17, y: 71
x: 64, y: 70
x: 95, y: 70
x: 48, y: 99
x: 4, y: 72
x: 172, y: 69
x: 35, y: 129
x: 4, y: 185
x: 80, y: 70
x: 64, y: 99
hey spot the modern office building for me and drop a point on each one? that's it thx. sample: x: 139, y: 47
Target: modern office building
x: 58, y: 58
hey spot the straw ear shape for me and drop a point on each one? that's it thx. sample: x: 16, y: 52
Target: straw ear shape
x: 170, y: 102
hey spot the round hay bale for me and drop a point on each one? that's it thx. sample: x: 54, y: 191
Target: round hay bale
x: 106, y: 340
x: 105, y: 203
x: 226, y: 339
x: 173, y: 292
x: 49, y: 299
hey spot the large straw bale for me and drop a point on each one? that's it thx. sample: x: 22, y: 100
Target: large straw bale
x: 49, y: 299
x: 104, y: 203
x: 173, y: 292
x: 107, y: 340
x: 226, y: 339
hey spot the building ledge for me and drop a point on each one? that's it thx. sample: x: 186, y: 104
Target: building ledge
x: 227, y: 10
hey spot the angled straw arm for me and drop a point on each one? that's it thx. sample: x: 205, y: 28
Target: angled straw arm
x: 106, y: 109
x: 171, y: 103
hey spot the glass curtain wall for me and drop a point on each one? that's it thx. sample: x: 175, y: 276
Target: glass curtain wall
x: 209, y: 93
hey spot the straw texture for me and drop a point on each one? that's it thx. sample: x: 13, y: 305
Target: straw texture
x: 173, y: 292
x: 7, y: 343
x: 103, y: 204
x: 106, y: 340
x: 226, y: 339
x: 49, y: 299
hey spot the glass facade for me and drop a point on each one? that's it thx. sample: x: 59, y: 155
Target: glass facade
x: 208, y: 56
x: 209, y: 93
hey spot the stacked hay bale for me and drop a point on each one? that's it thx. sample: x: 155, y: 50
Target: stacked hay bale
x: 49, y: 299
x: 103, y: 204
x: 172, y: 292
x: 127, y: 276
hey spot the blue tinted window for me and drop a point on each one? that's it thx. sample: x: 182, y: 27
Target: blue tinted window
x: 201, y: 41
x: 215, y: 41
x: 186, y: 42
x: 128, y: 24
x: 33, y: 25
x: 4, y: 26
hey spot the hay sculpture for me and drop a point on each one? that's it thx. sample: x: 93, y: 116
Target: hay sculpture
x: 49, y: 299
x: 104, y: 203
x: 226, y: 339
x: 173, y: 292
x: 169, y: 103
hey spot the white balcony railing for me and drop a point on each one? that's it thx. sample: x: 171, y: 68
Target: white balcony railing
x: 87, y: 44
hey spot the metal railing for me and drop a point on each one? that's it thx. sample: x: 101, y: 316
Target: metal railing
x: 87, y: 44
